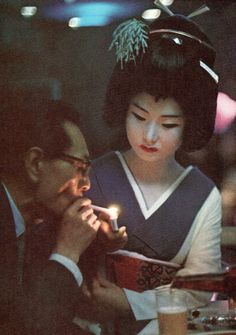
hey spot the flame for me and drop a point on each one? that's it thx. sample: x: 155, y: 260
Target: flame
x: 114, y: 212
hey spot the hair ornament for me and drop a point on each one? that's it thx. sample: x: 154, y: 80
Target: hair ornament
x: 199, y: 11
x: 163, y: 7
x: 181, y: 33
x: 128, y: 39
x: 209, y: 70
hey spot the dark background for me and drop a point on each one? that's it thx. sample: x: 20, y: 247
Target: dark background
x: 42, y: 55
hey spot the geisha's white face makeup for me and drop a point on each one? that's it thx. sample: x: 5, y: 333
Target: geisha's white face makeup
x: 154, y: 128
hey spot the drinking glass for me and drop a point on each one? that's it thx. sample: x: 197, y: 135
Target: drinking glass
x: 171, y: 311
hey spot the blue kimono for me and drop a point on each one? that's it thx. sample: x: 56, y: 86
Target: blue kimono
x: 110, y: 185
x: 183, y: 226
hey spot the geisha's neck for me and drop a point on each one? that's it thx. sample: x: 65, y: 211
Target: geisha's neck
x: 156, y: 171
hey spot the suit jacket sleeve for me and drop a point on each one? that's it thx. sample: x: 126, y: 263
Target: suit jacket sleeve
x: 51, y: 302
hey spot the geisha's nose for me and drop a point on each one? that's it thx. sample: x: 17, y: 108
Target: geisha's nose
x: 151, y: 132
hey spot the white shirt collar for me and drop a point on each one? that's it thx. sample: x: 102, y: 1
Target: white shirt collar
x: 18, y: 218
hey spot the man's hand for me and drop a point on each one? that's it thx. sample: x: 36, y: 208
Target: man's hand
x: 109, y: 240
x: 78, y: 228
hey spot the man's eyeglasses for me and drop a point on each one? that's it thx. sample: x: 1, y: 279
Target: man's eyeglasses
x: 80, y: 164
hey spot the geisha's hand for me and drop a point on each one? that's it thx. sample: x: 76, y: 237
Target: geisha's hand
x: 103, y: 301
x: 109, y: 301
x: 109, y: 240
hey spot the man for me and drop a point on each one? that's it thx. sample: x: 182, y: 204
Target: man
x: 44, y: 173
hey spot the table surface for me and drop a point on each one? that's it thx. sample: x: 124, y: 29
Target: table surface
x: 219, y: 306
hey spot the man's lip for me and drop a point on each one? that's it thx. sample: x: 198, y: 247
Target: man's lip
x: 148, y: 149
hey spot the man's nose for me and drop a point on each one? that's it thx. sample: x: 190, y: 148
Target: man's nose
x: 84, y: 183
x: 151, y: 132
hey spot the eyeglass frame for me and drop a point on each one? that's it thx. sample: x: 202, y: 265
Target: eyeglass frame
x: 81, y: 169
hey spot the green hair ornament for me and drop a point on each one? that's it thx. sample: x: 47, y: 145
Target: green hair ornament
x: 128, y: 39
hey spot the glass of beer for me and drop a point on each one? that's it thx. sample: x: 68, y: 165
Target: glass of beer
x: 171, y: 311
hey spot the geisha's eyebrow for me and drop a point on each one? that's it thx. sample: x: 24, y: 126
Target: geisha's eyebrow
x: 143, y: 109
x: 146, y: 111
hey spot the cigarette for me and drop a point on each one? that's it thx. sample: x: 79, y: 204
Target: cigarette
x: 101, y: 209
x: 111, y: 212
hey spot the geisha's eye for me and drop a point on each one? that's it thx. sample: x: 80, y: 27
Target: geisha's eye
x: 138, y: 117
x: 170, y: 125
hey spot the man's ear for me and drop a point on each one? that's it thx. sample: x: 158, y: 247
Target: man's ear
x: 34, y: 163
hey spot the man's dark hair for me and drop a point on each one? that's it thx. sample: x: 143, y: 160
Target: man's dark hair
x: 27, y: 123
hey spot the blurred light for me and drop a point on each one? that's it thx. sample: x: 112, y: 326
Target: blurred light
x: 69, y: 1
x: 74, y: 22
x: 92, y: 13
x: 94, y: 21
x: 151, y: 14
x: 97, y: 8
x: 177, y: 40
x: 167, y: 2
x: 28, y: 11
x: 225, y: 112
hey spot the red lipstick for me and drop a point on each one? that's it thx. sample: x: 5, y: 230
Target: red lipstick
x: 148, y: 149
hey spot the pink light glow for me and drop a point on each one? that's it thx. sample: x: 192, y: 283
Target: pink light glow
x: 225, y: 112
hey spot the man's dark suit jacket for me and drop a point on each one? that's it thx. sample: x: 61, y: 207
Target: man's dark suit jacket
x: 44, y: 304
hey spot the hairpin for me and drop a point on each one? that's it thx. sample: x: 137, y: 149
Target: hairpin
x: 163, y: 7
x: 199, y: 11
x: 128, y: 38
